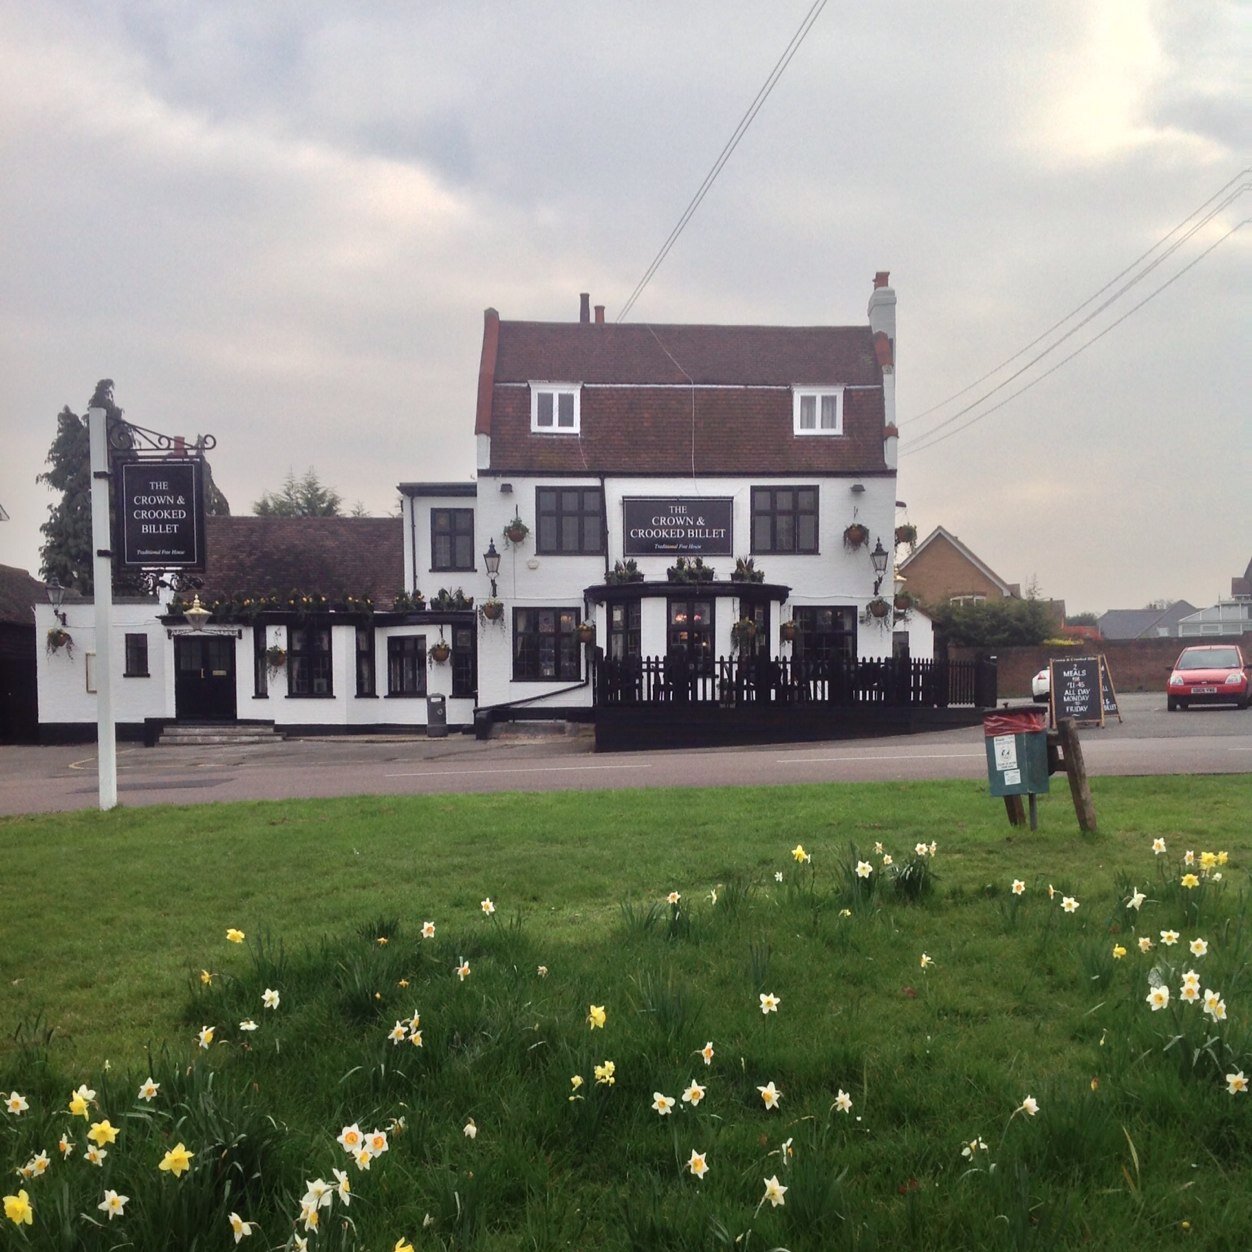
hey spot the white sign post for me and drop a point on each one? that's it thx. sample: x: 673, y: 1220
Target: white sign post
x: 102, y: 570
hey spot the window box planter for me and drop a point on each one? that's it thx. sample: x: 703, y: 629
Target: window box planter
x: 690, y: 571
x: 745, y: 571
x: 624, y: 572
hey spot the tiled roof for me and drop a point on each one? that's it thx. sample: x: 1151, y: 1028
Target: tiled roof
x: 336, y: 556
x: 662, y: 399
x: 18, y: 592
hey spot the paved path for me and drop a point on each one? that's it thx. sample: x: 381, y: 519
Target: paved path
x: 1149, y: 741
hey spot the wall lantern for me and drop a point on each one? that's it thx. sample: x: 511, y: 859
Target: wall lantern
x: 879, y: 557
x: 197, y: 615
x: 56, y: 597
x: 491, y: 559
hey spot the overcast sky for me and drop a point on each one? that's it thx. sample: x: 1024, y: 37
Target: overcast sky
x: 281, y: 222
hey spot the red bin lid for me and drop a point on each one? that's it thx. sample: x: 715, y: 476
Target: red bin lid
x: 1014, y: 722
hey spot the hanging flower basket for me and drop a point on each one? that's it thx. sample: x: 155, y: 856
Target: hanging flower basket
x: 517, y: 530
x: 59, y: 638
x: 902, y: 602
x: 878, y: 607
x: 275, y: 658
x: 906, y: 533
x: 787, y: 632
x: 743, y: 632
x: 493, y: 610
x: 440, y: 652
x: 855, y: 536
x: 586, y: 632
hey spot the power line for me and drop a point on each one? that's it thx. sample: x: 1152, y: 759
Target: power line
x: 933, y: 438
x: 1074, y: 312
x: 731, y: 144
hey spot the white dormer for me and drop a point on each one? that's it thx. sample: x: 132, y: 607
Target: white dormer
x: 555, y: 408
x: 817, y: 410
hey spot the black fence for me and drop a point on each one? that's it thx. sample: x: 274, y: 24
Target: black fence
x: 754, y: 681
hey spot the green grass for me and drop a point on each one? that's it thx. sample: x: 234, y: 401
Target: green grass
x: 109, y: 918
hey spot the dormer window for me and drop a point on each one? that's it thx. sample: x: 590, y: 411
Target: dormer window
x: 818, y: 410
x: 554, y: 408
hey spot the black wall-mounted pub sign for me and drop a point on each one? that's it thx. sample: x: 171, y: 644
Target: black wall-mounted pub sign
x: 161, y: 511
x: 686, y: 525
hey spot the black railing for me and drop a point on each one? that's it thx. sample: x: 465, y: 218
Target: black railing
x: 755, y: 680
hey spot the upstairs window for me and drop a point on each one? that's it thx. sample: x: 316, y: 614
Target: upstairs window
x: 452, y: 539
x: 554, y: 408
x: 784, y: 519
x: 818, y: 410
x: 570, y: 521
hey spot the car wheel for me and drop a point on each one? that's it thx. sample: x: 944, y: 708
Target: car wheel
x: 1182, y: 704
x: 1171, y: 704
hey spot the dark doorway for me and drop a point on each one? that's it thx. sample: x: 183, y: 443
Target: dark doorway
x: 204, y: 678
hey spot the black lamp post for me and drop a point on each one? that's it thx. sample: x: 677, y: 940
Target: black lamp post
x: 56, y: 597
x: 491, y: 559
x: 879, y: 557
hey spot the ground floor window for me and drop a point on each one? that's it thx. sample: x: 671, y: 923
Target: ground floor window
x: 625, y: 630
x: 545, y: 645
x: 310, y: 671
x: 365, y: 661
x: 260, y: 663
x: 406, y: 665
x: 691, y: 628
x: 464, y: 662
x: 758, y: 614
x: 136, y: 656
x: 825, y: 632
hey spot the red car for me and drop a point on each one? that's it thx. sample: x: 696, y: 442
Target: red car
x: 1214, y: 673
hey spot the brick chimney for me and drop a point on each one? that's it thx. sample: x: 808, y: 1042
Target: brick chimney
x: 882, y: 328
x: 584, y: 307
x: 599, y: 315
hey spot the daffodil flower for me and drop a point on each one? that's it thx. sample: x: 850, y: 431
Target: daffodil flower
x: 428, y: 930
x: 470, y: 1129
x: 1118, y: 952
x: 1136, y: 900
x: 606, y: 1074
x: 399, y: 1032
x: 1169, y: 937
x: 488, y: 906
x: 149, y: 1090
x: 269, y: 998
x: 1236, y: 1083
x: 694, y: 1094
x: 769, y: 1002
x: 176, y: 1161
x: 247, y: 1025
x: 673, y: 898
x: 707, y: 1052
x: 1158, y: 998
x: 1199, y: 947
x: 1190, y: 881
x: 343, y: 1186
x: 926, y: 960
x: 16, y: 1103
x: 697, y: 1164
x: 102, y: 1133
x: 663, y: 1104
x: 596, y: 1017
x: 770, y: 1095
x: 774, y: 1192
x: 864, y: 869
x: 1145, y: 944
x: 240, y: 1228
x: 113, y: 1204
x: 1029, y: 1106
x: 1018, y: 886
x: 94, y: 1155
x: 843, y: 1101
x: 318, y: 1194
x: 235, y: 936
x: 17, y: 1208
x: 65, y: 1146
x: 799, y: 853
x: 1069, y: 904
x: 542, y: 971
x: 463, y: 970
x: 79, y: 1100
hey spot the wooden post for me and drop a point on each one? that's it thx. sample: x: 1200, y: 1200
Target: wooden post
x: 1013, y: 807
x: 1076, y: 770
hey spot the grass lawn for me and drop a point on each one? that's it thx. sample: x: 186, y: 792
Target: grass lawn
x: 109, y: 919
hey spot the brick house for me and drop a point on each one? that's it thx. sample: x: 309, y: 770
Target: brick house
x: 943, y: 570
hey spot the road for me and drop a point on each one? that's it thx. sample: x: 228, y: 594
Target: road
x: 1148, y: 741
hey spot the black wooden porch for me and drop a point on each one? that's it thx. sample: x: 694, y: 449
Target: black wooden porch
x: 675, y: 701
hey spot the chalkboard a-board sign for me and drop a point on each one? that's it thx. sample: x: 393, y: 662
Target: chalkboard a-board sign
x: 1110, y: 692
x: 1076, y: 690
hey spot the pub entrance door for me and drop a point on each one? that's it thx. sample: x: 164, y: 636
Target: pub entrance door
x: 204, y: 678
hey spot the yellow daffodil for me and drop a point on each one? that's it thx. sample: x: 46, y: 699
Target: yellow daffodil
x: 799, y: 853
x: 402, y: 1245
x: 1118, y: 952
x: 17, y: 1208
x: 235, y: 936
x: 596, y: 1017
x: 176, y: 1161
x: 606, y: 1074
x: 206, y: 978
x: 1190, y: 881
x: 102, y: 1133
x: 79, y: 1100
x: 205, y: 1037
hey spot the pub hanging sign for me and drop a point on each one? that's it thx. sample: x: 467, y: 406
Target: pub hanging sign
x: 161, y: 508
x: 681, y: 525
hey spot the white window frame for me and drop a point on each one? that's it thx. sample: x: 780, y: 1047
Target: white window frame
x: 817, y: 395
x: 556, y: 391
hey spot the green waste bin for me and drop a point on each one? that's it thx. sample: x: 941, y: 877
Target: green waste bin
x: 1017, y: 751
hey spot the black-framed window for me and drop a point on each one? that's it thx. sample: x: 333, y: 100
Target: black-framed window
x: 452, y: 539
x: 825, y: 632
x: 545, y: 645
x: 625, y: 629
x: 569, y: 521
x: 260, y: 662
x: 464, y: 661
x: 365, y: 680
x: 136, y: 656
x: 758, y: 612
x: 691, y: 628
x: 406, y: 665
x: 784, y: 519
x: 310, y: 671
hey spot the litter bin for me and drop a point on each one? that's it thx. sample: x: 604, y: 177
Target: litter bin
x: 436, y: 717
x: 1017, y: 751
